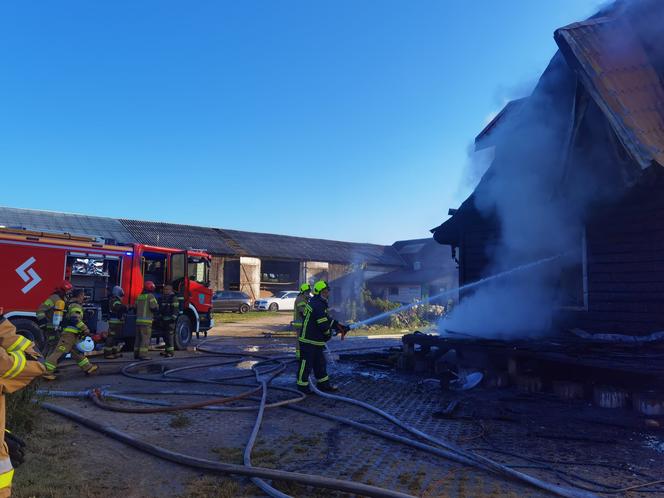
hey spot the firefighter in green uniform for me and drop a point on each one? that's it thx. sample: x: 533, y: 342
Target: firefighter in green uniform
x: 74, y: 330
x: 51, y: 312
x: 298, y: 313
x: 318, y: 328
x: 170, y: 307
x: 117, y: 311
x: 146, y: 308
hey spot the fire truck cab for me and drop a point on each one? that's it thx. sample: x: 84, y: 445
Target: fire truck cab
x: 33, y: 263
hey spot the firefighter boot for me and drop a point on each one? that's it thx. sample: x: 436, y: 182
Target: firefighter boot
x: 49, y: 375
x: 304, y: 389
x: 93, y: 370
x: 327, y: 387
x: 167, y: 354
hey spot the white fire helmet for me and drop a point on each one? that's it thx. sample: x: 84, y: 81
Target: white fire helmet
x: 86, y: 345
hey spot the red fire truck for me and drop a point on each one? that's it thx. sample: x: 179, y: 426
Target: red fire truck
x: 33, y: 263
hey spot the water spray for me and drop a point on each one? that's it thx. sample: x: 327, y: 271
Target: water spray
x: 472, y: 285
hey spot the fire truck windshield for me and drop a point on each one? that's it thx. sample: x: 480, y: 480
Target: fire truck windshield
x: 199, y: 270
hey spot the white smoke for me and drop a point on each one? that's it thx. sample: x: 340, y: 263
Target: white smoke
x: 538, y: 193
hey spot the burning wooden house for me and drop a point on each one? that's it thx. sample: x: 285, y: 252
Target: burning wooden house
x: 564, y: 232
x: 578, y: 166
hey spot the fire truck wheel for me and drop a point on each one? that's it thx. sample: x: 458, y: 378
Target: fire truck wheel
x: 28, y: 328
x: 183, y: 330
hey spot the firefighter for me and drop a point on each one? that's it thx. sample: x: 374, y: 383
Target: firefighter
x: 74, y: 330
x: 170, y: 307
x: 117, y: 311
x: 146, y: 309
x: 51, y: 312
x: 19, y: 365
x: 298, y: 313
x: 317, y: 328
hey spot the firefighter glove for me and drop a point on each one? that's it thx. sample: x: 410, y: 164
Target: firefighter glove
x: 342, y: 330
x: 16, y: 447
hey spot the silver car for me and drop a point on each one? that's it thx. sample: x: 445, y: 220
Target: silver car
x: 230, y: 301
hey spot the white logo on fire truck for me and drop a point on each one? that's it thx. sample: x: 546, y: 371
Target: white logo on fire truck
x: 28, y: 275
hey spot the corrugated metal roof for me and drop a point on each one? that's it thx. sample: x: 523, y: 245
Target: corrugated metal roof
x: 75, y: 224
x: 214, y: 240
x: 615, y: 69
x: 306, y: 249
x: 177, y: 236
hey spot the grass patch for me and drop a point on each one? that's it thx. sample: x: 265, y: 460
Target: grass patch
x: 50, y: 468
x: 260, y: 457
x: 179, y: 421
x: 214, y: 487
x: 412, y: 480
x: 228, y: 454
x: 243, y: 317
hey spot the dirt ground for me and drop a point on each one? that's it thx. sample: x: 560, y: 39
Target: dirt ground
x: 66, y: 460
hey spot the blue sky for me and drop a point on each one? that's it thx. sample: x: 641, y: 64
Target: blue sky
x: 347, y: 119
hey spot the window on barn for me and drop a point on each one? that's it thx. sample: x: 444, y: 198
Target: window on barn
x: 573, y: 292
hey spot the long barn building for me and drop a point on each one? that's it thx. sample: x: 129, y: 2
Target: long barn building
x: 247, y: 261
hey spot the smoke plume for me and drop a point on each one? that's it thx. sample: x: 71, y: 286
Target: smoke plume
x: 538, y: 193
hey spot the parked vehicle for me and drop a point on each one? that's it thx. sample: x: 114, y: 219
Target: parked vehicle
x: 282, y: 301
x: 33, y: 263
x: 231, y: 301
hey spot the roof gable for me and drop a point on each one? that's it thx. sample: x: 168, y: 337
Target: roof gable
x: 611, y: 62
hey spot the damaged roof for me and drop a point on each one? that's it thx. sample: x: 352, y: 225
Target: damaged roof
x: 611, y: 61
x: 618, y: 59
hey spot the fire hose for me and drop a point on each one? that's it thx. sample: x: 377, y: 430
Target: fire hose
x: 442, y: 448
x: 226, y: 468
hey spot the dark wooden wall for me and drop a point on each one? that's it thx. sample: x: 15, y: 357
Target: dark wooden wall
x: 625, y: 265
x: 625, y: 254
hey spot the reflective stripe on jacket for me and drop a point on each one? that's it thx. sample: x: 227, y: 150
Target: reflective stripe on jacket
x: 74, y: 323
x: 16, y: 369
x: 298, y: 309
x: 6, y: 472
x: 117, y: 310
x: 318, y: 324
x: 170, y: 306
x: 146, y: 307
